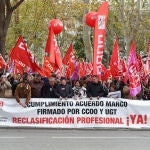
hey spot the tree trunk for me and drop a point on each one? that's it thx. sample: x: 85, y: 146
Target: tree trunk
x: 6, y: 11
x: 2, y: 19
x: 4, y: 28
x: 86, y: 37
x: 129, y: 36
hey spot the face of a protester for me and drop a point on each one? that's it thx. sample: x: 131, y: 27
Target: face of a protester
x: 30, y: 77
x: 17, y: 77
x: 77, y: 84
x: 37, y: 78
x: 63, y: 82
x: 89, y: 79
x: 3, y: 79
x: 95, y: 79
x: 51, y: 82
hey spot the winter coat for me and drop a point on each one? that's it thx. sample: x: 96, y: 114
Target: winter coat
x: 23, y: 91
x: 96, y: 89
x: 79, y: 92
x: 36, y: 88
x: 64, y: 91
x: 48, y: 91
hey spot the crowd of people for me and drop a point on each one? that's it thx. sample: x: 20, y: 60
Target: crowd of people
x: 35, y: 86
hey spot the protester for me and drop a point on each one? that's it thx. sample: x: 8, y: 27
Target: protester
x: 36, y: 86
x: 49, y: 88
x: 126, y: 92
x: 15, y: 80
x: 23, y: 90
x: 146, y: 89
x: 5, y: 87
x: 96, y: 89
x: 63, y: 90
x: 78, y: 90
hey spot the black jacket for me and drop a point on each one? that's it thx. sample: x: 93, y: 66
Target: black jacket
x: 48, y: 91
x: 96, y: 89
x: 64, y: 91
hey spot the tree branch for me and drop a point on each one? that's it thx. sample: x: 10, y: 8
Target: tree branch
x: 17, y: 5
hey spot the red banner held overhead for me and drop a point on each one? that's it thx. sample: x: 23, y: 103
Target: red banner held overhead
x: 99, y: 38
x: 21, y: 54
x: 134, y: 78
x: 69, y: 56
x: 141, y: 68
x: 114, y: 61
x: 53, y: 51
x: 122, y: 66
x: 148, y: 59
x: 48, y: 67
x: 2, y: 62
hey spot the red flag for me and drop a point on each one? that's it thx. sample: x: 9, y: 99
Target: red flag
x: 70, y: 69
x: 131, y: 52
x: 50, y: 46
x: 99, y: 38
x: 114, y: 61
x: 53, y: 51
x: 19, y: 67
x: 34, y: 66
x: 122, y: 66
x: 81, y: 67
x: 2, y: 62
x: 135, y: 85
x: 148, y: 59
x: 69, y: 56
x: 105, y: 73
x: 141, y: 68
x: 20, y: 52
x: 48, y: 67
x: 58, y: 58
x: 88, y: 68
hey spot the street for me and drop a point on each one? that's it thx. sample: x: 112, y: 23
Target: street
x: 62, y: 139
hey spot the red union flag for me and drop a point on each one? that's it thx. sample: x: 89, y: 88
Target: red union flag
x: 2, y: 62
x: 52, y: 50
x: 141, y: 67
x: 20, y: 52
x: 122, y: 66
x: 50, y: 46
x: 99, y: 38
x: 148, y: 59
x: 134, y: 78
x: 114, y: 61
x: 69, y: 56
x: 48, y: 67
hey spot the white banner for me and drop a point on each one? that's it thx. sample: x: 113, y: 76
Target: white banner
x: 84, y: 113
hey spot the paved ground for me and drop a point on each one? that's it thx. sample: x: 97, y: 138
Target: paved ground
x: 56, y: 139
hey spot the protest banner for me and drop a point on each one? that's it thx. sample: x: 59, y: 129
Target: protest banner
x: 85, y: 113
